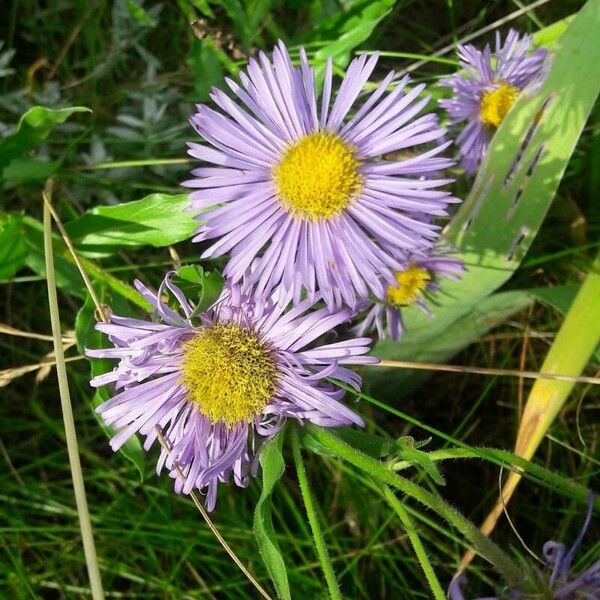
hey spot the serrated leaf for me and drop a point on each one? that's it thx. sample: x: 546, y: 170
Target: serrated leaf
x: 34, y: 126
x: 13, y: 250
x: 156, y: 220
x: 273, y: 466
x: 87, y: 337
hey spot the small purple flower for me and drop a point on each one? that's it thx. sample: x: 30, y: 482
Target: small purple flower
x: 296, y: 182
x: 486, y: 88
x: 414, y: 283
x: 218, y: 386
x: 557, y: 582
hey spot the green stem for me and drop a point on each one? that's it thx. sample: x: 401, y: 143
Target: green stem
x: 332, y: 584
x: 89, y: 548
x: 502, y: 458
x: 421, y: 553
x: 505, y: 565
x: 127, y: 164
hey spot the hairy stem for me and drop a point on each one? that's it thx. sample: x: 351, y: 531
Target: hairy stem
x: 332, y: 584
x: 415, y: 540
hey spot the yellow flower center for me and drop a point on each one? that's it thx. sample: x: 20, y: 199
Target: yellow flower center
x: 411, y: 283
x: 495, y: 104
x: 228, y: 373
x: 318, y: 176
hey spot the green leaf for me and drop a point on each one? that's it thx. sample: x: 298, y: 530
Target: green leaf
x: 68, y: 278
x: 347, y: 29
x: 88, y: 337
x: 67, y: 274
x: 13, y: 250
x: 156, y: 220
x: 34, y: 127
x: 206, y: 68
x: 548, y: 36
x: 204, y: 287
x: 443, y: 342
x: 273, y: 466
x: 501, y: 216
x: 559, y: 297
x: 138, y: 13
x: 28, y: 169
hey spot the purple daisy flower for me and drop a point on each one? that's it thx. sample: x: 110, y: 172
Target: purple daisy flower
x: 306, y: 189
x: 557, y: 582
x: 413, y: 284
x: 486, y: 88
x: 219, y: 386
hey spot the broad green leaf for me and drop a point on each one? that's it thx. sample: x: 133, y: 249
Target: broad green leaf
x: 273, y: 466
x: 67, y: 274
x: 34, y: 127
x: 347, y: 29
x: 501, y: 216
x: 548, y: 36
x: 88, y: 337
x: 13, y: 250
x: 459, y: 333
x: 559, y: 297
x: 578, y: 337
x: 156, y: 220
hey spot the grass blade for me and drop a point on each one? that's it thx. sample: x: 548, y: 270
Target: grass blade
x: 83, y: 514
x: 575, y: 343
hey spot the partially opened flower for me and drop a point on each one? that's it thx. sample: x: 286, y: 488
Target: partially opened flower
x: 486, y: 88
x: 299, y: 183
x: 217, y: 388
x: 557, y: 581
x: 414, y: 283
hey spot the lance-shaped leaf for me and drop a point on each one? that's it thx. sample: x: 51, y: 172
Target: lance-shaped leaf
x: 516, y: 183
x: 570, y: 352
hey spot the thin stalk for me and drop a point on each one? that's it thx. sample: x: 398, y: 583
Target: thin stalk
x: 330, y: 578
x: 423, y: 366
x: 490, y: 551
x: 573, y: 346
x: 415, y: 540
x: 128, y: 164
x: 89, y: 548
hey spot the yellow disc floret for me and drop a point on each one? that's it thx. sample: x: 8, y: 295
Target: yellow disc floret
x: 495, y: 104
x: 229, y: 373
x: 318, y: 176
x: 410, y: 284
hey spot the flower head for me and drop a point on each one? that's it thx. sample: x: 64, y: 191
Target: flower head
x: 486, y: 88
x: 296, y: 186
x: 414, y: 283
x: 218, y: 387
x: 557, y: 581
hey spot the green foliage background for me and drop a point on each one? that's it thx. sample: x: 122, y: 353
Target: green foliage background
x: 97, y: 95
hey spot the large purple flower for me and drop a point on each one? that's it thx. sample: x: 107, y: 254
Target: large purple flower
x: 296, y: 182
x: 218, y: 385
x: 557, y: 581
x: 486, y: 88
x: 414, y: 283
